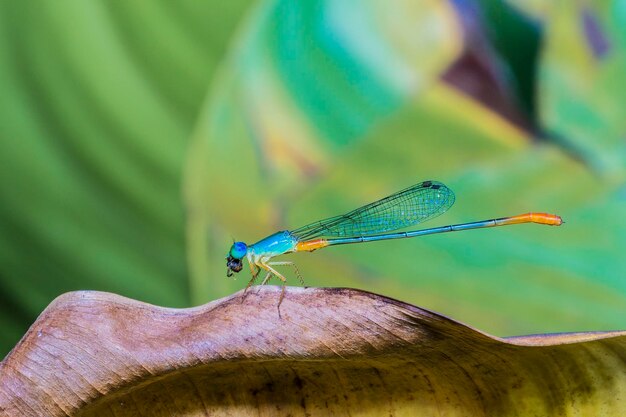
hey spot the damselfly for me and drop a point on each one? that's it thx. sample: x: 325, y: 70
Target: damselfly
x: 369, y: 223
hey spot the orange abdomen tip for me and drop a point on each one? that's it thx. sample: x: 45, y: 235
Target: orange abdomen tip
x: 545, y: 218
x: 540, y: 218
x: 549, y: 219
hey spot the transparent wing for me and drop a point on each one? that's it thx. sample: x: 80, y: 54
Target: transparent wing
x: 405, y: 208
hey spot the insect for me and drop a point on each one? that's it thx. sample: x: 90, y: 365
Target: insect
x: 369, y: 223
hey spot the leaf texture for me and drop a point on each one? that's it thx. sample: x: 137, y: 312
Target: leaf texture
x: 330, y: 352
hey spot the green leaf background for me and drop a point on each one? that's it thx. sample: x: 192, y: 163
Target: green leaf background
x: 139, y: 138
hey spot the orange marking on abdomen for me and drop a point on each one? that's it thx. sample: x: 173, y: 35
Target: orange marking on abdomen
x: 541, y: 218
x: 311, y: 245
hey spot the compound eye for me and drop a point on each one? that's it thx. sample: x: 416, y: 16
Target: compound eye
x: 238, y: 250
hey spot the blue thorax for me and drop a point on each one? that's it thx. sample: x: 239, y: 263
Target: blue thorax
x: 274, y: 245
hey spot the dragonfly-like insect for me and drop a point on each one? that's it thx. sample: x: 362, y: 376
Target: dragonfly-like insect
x: 369, y: 223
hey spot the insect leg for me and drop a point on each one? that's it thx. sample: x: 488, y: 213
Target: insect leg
x: 279, y: 276
x: 294, y: 267
x: 254, y: 270
x: 267, y: 278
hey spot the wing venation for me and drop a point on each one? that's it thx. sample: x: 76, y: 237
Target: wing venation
x: 408, y: 207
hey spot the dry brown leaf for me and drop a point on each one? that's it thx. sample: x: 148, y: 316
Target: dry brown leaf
x: 332, y: 352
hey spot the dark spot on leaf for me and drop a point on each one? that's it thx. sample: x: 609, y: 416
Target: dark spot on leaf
x: 297, y: 381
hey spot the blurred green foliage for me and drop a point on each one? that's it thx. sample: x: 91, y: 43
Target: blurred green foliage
x: 98, y: 100
x: 139, y: 138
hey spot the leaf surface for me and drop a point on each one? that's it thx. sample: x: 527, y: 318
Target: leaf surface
x: 331, y: 352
